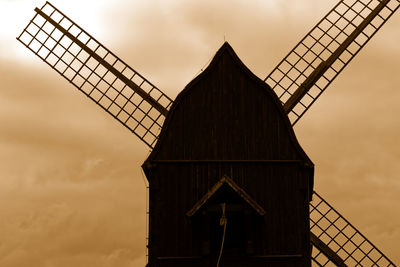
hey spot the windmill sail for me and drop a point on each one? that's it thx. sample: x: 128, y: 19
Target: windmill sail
x: 298, y: 80
x: 304, y: 74
x: 336, y: 240
x: 97, y: 72
x: 140, y: 106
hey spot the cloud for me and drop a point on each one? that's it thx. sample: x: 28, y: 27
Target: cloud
x: 67, y: 189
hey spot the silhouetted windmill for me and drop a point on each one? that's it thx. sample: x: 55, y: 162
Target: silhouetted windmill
x: 227, y: 153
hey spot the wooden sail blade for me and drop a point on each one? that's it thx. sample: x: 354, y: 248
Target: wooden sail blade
x: 330, y: 229
x: 304, y: 74
x: 321, y: 247
x: 97, y: 72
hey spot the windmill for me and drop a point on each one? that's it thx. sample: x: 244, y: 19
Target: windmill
x: 298, y: 80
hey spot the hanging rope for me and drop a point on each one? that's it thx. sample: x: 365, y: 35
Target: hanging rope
x: 223, y: 221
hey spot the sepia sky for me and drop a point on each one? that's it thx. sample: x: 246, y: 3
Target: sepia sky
x: 71, y: 189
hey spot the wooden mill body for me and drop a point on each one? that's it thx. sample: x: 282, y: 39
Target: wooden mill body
x: 227, y: 139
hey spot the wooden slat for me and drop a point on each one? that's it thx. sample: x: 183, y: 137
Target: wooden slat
x: 97, y: 72
x: 312, y: 65
x: 328, y: 252
x: 334, y: 234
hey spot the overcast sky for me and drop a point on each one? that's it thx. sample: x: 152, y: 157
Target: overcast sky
x: 71, y: 189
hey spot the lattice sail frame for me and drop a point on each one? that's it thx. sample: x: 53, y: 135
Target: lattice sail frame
x: 321, y: 44
x: 97, y: 72
x: 342, y: 238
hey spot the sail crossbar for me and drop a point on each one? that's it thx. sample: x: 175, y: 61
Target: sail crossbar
x: 328, y: 226
x: 97, y: 72
x: 312, y: 65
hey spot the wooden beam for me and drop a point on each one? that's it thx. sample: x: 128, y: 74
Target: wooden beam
x: 108, y: 66
x: 327, y: 251
x: 249, y: 200
x: 324, y: 65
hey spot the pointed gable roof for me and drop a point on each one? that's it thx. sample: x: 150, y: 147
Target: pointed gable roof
x: 236, y: 188
x: 228, y: 113
x: 227, y: 54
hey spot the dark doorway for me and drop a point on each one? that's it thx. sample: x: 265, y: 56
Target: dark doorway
x: 234, y: 243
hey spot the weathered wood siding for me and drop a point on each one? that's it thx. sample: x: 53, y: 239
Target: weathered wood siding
x: 228, y: 122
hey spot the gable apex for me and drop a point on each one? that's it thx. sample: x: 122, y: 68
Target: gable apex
x: 236, y: 188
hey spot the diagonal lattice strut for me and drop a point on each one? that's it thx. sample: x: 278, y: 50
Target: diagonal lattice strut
x: 97, y: 72
x: 323, y: 53
x: 341, y: 237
